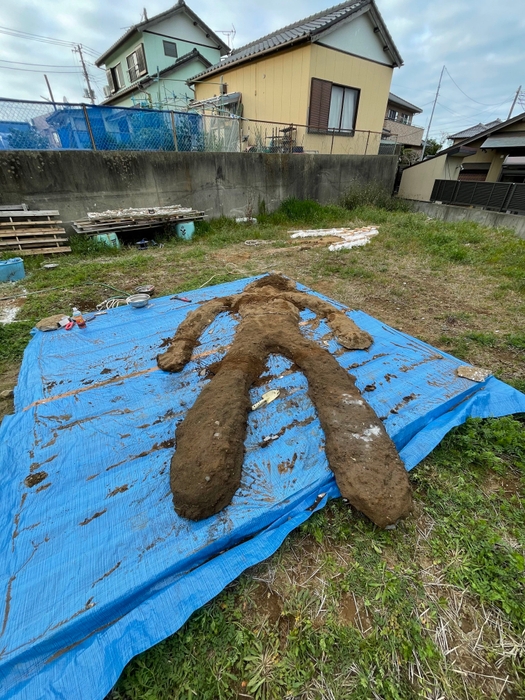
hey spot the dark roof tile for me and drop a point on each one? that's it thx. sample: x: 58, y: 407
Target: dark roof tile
x: 303, y: 29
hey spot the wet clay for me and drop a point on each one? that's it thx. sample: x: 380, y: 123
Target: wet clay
x: 206, y: 467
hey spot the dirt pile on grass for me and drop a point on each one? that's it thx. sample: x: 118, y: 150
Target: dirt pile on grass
x: 206, y: 467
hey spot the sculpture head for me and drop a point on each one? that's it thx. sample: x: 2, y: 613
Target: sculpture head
x: 275, y: 280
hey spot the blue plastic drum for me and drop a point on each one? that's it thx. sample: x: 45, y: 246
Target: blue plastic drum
x: 185, y: 230
x: 12, y: 270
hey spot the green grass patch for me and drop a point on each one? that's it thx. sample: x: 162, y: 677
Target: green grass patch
x: 13, y: 339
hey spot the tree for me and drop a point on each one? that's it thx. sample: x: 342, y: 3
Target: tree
x: 432, y: 148
x: 408, y: 157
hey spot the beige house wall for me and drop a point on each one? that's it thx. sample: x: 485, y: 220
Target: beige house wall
x: 417, y: 182
x: 277, y: 89
x: 405, y: 133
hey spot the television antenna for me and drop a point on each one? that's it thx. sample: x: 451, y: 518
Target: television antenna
x: 229, y: 34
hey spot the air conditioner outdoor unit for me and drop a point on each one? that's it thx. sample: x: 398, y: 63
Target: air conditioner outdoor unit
x: 107, y: 90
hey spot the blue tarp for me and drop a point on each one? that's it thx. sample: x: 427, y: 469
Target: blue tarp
x: 96, y: 566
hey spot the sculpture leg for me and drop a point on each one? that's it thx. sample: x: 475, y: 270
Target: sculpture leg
x: 364, y: 460
x: 206, y: 467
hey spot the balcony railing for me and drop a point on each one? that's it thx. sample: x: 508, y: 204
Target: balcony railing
x: 400, y: 121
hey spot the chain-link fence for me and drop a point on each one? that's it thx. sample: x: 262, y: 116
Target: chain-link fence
x: 45, y: 125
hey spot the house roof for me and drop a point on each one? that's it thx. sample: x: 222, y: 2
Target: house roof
x: 142, y: 26
x: 474, y: 130
x: 147, y: 80
x: 306, y: 30
x: 459, y: 148
x: 403, y: 103
x: 508, y: 139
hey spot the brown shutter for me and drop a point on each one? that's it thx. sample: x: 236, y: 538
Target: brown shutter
x: 319, y: 105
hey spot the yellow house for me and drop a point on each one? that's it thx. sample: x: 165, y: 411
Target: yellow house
x: 496, y: 155
x: 318, y: 85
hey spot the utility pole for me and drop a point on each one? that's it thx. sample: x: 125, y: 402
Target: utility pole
x: 49, y: 88
x: 91, y: 94
x: 515, y: 99
x: 431, y: 116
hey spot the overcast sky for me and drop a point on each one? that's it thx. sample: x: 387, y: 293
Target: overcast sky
x: 482, y: 48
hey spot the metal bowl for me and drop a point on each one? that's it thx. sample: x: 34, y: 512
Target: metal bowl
x: 138, y: 300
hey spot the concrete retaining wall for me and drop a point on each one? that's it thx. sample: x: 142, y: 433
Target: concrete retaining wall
x: 493, y: 219
x: 229, y: 184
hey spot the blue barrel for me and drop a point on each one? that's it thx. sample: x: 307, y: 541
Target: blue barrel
x: 12, y: 270
x: 185, y: 230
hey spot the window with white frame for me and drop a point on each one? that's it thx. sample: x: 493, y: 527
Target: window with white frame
x: 136, y: 63
x: 391, y: 114
x: 333, y: 108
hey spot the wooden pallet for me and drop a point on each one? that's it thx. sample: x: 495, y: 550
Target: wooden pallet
x: 32, y: 232
x: 123, y: 224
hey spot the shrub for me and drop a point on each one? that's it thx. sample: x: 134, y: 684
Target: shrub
x: 372, y: 194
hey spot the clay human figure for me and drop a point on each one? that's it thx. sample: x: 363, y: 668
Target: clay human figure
x: 207, y: 464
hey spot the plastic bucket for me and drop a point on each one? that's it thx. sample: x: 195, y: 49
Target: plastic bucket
x: 185, y: 230
x: 12, y: 270
x: 109, y: 239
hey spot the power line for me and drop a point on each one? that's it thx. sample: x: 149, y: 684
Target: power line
x: 34, y: 37
x: 473, y: 115
x: 17, y: 33
x: 42, y: 65
x: 484, y: 104
x: 44, y: 70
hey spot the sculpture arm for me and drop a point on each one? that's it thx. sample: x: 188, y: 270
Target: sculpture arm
x: 348, y: 334
x: 187, y: 335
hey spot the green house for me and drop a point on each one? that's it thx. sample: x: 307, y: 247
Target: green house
x: 150, y: 64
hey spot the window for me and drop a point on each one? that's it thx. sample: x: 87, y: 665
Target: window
x: 391, y: 114
x: 170, y: 48
x: 333, y: 108
x: 136, y: 64
x: 404, y: 118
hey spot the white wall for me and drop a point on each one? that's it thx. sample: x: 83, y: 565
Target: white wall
x: 358, y: 37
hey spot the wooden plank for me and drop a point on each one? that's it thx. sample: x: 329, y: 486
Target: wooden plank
x: 26, y: 214
x: 29, y: 232
x: 132, y: 226
x: 30, y: 241
x: 34, y: 222
x: 13, y: 207
x: 44, y: 251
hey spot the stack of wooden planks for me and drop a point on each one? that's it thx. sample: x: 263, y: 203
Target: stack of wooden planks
x: 29, y: 232
x: 122, y: 220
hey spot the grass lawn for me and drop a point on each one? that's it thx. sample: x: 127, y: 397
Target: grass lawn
x: 433, y: 609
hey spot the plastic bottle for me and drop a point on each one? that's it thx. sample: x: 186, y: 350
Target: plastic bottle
x: 78, y: 318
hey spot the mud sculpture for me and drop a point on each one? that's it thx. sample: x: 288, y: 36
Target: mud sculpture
x: 206, y: 467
